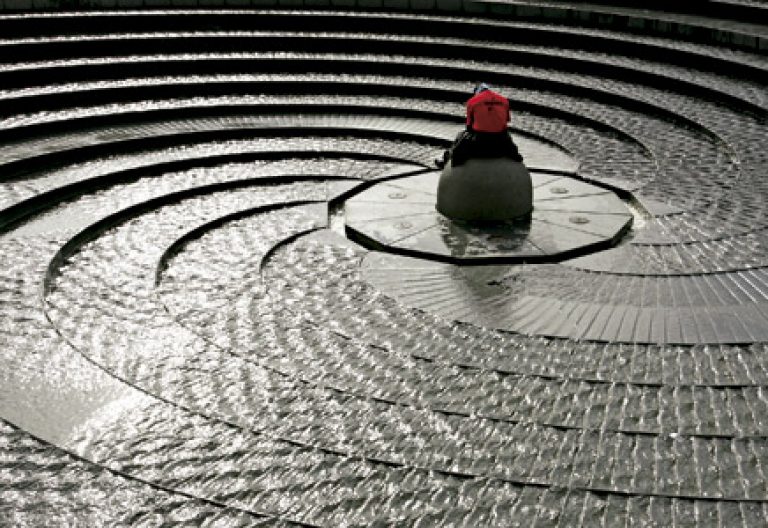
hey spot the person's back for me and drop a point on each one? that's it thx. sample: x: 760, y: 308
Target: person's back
x: 487, y: 112
x: 485, y: 135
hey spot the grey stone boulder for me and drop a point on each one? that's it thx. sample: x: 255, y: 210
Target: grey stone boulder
x: 485, y: 190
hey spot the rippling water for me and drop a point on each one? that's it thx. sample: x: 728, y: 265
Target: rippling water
x: 221, y: 355
x: 267, y: 375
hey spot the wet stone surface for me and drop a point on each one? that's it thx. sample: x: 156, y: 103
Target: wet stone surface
x: 188, y: 337
x: 569, y: 217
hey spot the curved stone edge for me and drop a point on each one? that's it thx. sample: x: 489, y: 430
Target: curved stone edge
x: 97, y: 228
x: 736, y: 33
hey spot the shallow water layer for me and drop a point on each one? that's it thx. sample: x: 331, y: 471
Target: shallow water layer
x: 221, y: 354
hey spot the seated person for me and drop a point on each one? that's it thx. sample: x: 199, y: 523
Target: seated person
x: 485, y: 135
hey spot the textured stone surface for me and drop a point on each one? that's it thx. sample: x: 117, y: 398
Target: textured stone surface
x: 187, y: 336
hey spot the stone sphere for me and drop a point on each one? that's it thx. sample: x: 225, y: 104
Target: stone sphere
x: 485, y: 190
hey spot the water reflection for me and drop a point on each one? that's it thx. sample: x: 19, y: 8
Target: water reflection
x: 492, y: 239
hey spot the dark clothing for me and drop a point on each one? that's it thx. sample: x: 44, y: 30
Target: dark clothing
x: 472, y: 144
x: 488, y: 112
x: 486, y: 134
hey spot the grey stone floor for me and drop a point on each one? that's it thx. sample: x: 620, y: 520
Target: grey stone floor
x: 188, y: 337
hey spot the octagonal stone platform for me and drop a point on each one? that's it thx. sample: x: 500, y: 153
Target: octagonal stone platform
x: 570, y: 217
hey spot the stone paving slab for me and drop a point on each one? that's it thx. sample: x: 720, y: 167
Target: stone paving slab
x: 400, y: 216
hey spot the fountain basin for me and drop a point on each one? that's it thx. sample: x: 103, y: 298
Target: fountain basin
x: 569, y: 218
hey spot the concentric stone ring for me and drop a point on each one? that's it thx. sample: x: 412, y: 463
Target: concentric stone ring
x: 189, y: 337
